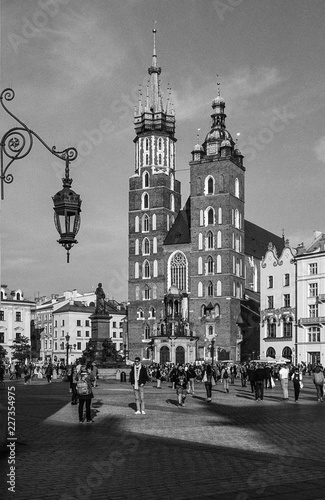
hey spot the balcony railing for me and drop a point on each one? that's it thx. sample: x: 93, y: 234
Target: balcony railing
x: 318, y: 320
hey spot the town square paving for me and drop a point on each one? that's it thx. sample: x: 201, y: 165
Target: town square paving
x: 235, y: 448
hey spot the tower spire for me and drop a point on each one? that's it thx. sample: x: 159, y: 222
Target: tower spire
x: 154, y: 72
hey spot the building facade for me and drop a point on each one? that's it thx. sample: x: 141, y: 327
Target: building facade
x: 310, y: 330
x: 188, y: 268
x: 278, y: 303
x: 15, y: 317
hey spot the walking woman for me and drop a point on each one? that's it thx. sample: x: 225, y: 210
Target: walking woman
x: 297, y: 382
x: 209, y: 379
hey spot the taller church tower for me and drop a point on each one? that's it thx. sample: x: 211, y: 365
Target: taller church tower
x: 154, y: 201
x: 217, y: 238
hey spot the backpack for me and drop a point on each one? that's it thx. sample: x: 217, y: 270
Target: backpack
x: 83, y: 388
x: 225, y: 374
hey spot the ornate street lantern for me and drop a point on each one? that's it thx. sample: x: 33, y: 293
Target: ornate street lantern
x: 67, y: 210
x: 15, y: 144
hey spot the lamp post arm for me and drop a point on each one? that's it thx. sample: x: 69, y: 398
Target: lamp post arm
x: 17, y: 142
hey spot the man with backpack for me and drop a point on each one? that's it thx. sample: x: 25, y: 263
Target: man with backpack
x: 297, y: 382
x: 85, y: 393
x: 225, y: 378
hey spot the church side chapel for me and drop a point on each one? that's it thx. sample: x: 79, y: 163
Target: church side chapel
x: 193, y: 271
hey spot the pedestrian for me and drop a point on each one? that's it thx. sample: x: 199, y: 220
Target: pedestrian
x: 191, y: 375
x: 73, y: 385
x: 297, y: 382
x: 28, y: 374
x: 225, y: 378
x: 138, y: 378
x: 94, y: 372
x: 251, y: 376
x: 243, y: 375
x: 209, y: 379
x: 284, y: 378
x: 181, y: 385
x: 268, y: 375
x: 49, y: 372
x: 85, y: 393
x: 318, y: 379
x: 233, y: 373
x: 259, y: 377
x: 172, y: 375
x: 158, y: 376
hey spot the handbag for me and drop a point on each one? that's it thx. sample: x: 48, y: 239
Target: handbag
x: 213, y: 382
x: 301, y: 385
x: 272, y: 382
x: 205, y: 378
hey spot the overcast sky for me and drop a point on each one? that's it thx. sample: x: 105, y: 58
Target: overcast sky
x: 76, y: 66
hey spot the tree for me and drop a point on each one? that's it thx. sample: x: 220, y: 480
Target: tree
x: 21, y: 348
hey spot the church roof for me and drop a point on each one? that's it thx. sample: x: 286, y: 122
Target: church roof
x: 257, y: 240
x: 180, y: 232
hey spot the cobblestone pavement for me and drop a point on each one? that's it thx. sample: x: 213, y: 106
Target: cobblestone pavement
x: 235, y: 448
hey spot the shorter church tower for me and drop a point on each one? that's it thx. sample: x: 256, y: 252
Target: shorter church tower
x: 217, y: 238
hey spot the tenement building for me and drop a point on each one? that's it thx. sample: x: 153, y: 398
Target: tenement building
x: 193, y: 271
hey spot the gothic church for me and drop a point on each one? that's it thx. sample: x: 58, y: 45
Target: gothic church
x: 193, y: 271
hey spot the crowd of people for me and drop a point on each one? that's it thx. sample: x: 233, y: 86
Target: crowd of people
x: 183, y: 378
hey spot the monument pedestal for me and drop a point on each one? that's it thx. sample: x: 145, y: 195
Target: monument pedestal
x: 100, y: 346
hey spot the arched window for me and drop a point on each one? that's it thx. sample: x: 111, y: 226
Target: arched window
x: 210, y: 241
x: 219, y: 239
x: 210, y: 216
x: 218, y: 263
x: 209, y: 185
x: 146, y: 332
x: 160, y: 143
x: 147, y: 159
x: 154, y: 291
x: 159, y: 159
x: 219, y: 215
x: 136, y: 247
x: 210, y: 289
x: 140, y: 313
x: 147, y: 144
x: 172, y: 203
x: 145, y: 179
x: 137, y: 293
x: 152, y: 312
x: 200, y: 241
x: 136, y: 270
x: 155, y: 268
x: 199, y: 265
x: 200, y: 289
x: 287, y: 353
x: 210, y: 264
x: 172, y: 220
x: 144, y: 201
x: 146, y: 269
x: 219, y: 288
x: 237, y: 218
x: 210, y: 330
x: 146, y: 293
x: 136, y: 224
x: 237, y: 187
x: 145, y: 223
x: 177, y: 267
x: 237, y: 267
x: 154, y: 222
x: 287, y: 327
x: 154, y: 245
x: 203, y: 310
x: 270, y: 353
x: 145, y: 246
x: 217, y: 309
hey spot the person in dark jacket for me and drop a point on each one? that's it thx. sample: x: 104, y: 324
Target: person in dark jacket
x: 208, y: 377
x: 260, y: 376
x: 181, y: 385
x: 138, y: 378
x: 85, y: 396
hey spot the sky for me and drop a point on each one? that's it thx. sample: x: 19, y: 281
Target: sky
x: 75, y: 67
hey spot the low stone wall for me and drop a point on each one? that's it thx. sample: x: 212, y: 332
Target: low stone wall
x: 112, y: 374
